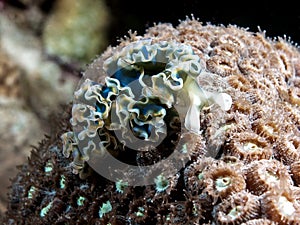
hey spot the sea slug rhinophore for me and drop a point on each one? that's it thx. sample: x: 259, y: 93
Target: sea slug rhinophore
x: 234, y: 161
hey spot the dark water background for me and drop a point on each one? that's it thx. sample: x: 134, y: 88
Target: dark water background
x: 278, y: 19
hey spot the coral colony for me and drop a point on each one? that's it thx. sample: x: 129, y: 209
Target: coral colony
x: 222, y: 102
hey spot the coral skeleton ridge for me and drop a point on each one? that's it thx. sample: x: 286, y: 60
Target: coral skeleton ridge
x: 221, y: 101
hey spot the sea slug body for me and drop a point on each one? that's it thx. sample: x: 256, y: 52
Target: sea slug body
x: 146, y: 87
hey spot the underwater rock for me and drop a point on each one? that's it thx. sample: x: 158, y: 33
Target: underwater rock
x: 237, y: 179
x: 44, y: 81
x: 31, y: 87
x: 20, y: 128
x: 75, y: 31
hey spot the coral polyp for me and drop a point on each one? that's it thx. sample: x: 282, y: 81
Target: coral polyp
x: 248, y: 146
x: 263, y: 175
x: 237, y: 208
x: 222, y: 180
x: 281, y: 206
x: 287, y: 150
x: 194, y: 175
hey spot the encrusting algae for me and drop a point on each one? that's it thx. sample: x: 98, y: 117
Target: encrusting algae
x: 238, y: 135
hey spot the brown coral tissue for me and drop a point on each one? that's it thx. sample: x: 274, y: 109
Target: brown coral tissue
x: 241, y: 164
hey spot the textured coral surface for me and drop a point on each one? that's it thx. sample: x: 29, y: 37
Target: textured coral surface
x: 254, y: 178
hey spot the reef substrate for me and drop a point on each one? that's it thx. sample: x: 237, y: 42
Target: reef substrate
x: 253, y: 178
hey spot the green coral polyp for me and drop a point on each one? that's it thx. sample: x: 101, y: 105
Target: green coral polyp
x: 80, y: 201
x: 143, y: 83
x: 222, y: 183
x: 251, y: 147
x: 31, y: 192
x: 161, y: 183
x: 121, y: 185
x: 62, y: 182
x: 48, y: 168
x: 235, y: 212
x: 140, y: 212
x: 105, y: 208
x: 46, y: 209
